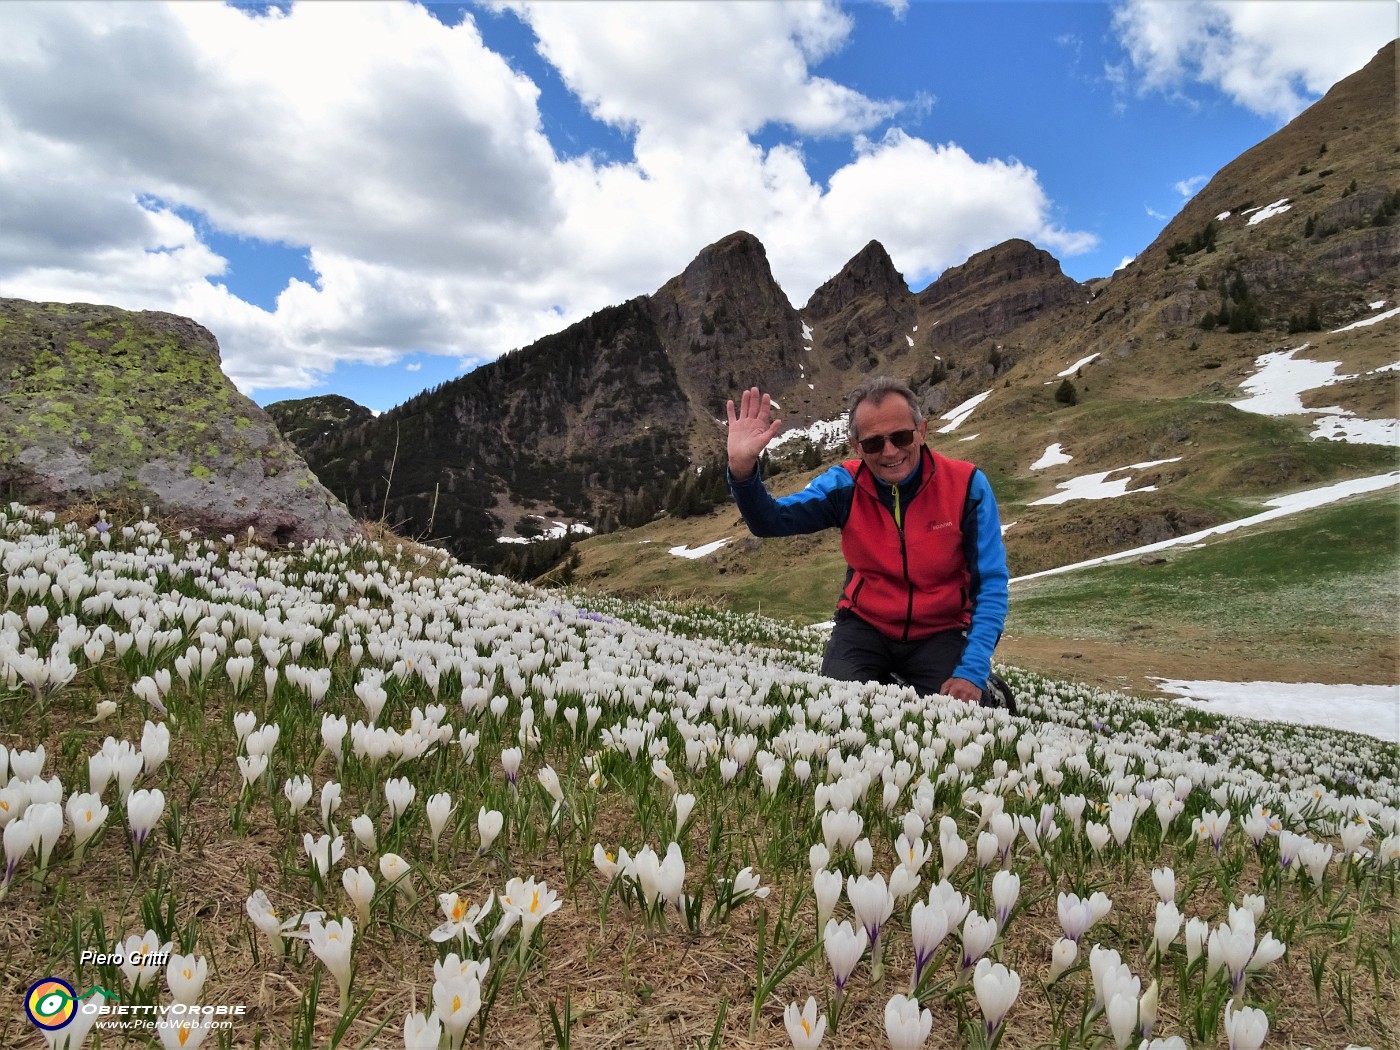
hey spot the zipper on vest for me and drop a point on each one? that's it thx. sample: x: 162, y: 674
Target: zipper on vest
x: 904, y: 563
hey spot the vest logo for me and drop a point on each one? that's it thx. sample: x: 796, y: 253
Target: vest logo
x: 932, y: 525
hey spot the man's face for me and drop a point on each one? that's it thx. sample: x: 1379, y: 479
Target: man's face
x: 890, y: 464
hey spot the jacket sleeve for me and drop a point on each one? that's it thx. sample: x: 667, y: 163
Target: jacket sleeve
x: 823, y: 504
x: 986, y: 561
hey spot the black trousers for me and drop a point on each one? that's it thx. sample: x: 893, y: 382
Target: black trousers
x: 857, y: 652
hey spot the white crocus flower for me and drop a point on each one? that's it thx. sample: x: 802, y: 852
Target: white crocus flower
x: 1164, y: 882
x: 397, y: 872
x: 47, y: 820
x: 252, y: 767
x: 462, y: 917
x: 18, y: 840
x: 1006, y: 888
x: 456, y: 1001
x: 1166, y: 926
x: 978, y: 935
x: 155, y: 746
x: 330, y: 802
x: 996, y: 988
x: 906, y: 1026
x: 332, y: 944
x: 323, y: 852
x: 358, y: 884
x: 746, y: 885
x: 871, y: 901
x: 298, y: 791
x: 137, y: 953
x: 86, y: 815
x: 143, y: 812
x: 1062, y: 957
x: 844, y: 945
x: 185, y: 975
x: 684, y: 803
x: 399, y: 792
x: 422, y: 1032
x: 529, y: 902
x: 804, y: 1027
x: 439, y: 809
x: 488, y: 825
x: 928, y: 926
x: 1246, y: 1028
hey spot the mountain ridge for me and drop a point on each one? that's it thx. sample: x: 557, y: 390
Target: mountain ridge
x: 1155, y: 346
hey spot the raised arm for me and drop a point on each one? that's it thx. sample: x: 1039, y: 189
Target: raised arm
x: 750, y: 430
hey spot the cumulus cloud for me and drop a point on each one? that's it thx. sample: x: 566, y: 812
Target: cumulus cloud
x: 409, y: 162
x: 1272, y: 58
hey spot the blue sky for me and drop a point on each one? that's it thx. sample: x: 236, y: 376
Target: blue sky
x: 371, y: 198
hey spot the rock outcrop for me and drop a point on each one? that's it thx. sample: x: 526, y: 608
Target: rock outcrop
x: 100, y: 404
x: 996, y: 291
x: 725, y: 323
x: 866, y: 313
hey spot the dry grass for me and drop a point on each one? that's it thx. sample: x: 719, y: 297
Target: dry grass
x: 626, y: 987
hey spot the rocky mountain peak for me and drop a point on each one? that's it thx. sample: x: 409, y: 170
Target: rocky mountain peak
x: 726, y: 322
x: 870, y: 272
x: 996, y: 290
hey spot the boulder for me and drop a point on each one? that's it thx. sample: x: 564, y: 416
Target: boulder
x: 104, y: 405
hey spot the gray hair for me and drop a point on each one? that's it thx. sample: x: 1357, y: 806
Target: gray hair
x: 876, y: 390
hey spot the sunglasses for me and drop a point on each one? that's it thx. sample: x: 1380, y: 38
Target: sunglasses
x: 899, y: 439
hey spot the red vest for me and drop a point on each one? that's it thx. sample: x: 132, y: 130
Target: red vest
x: 912, y: 581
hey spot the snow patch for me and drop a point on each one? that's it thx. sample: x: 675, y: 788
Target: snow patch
x: 1076, y: 366
x: 1282, y: 377
x: 1370, y: 709
x: 1269, y: 211
x: 824, y: 432
x: 959, y: 415
x: 1282, y: 506
x: 683, y: 551
x: 1369, y: 320
x: 555, y: 532
x: 1097, y: 485
x: 1053, y: 456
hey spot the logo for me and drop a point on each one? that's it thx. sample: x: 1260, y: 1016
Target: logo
x: 51, y: 1003
x: 933, y: 525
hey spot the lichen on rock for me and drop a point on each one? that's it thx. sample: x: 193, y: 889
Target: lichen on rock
x: 98, y: 403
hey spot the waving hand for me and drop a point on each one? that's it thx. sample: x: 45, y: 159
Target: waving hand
x: 750, y: 430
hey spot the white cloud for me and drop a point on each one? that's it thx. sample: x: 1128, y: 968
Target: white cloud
x: 417, y: 366
x: 1159, y: 216
x: 1272, y: 58
x: 1188, y: 187
x: 410, y: 164
x: 670, y: 69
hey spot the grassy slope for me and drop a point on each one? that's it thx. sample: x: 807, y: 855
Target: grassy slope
x: 1311, y: 596
x: 1307, y: 598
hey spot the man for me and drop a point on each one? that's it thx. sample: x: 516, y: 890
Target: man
x: 926, y: 585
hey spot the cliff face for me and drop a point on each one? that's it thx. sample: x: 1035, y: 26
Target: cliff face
x: 725, y: 323
x: 99, y: 404
x: 863, y: 313
x: 996, y: 291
